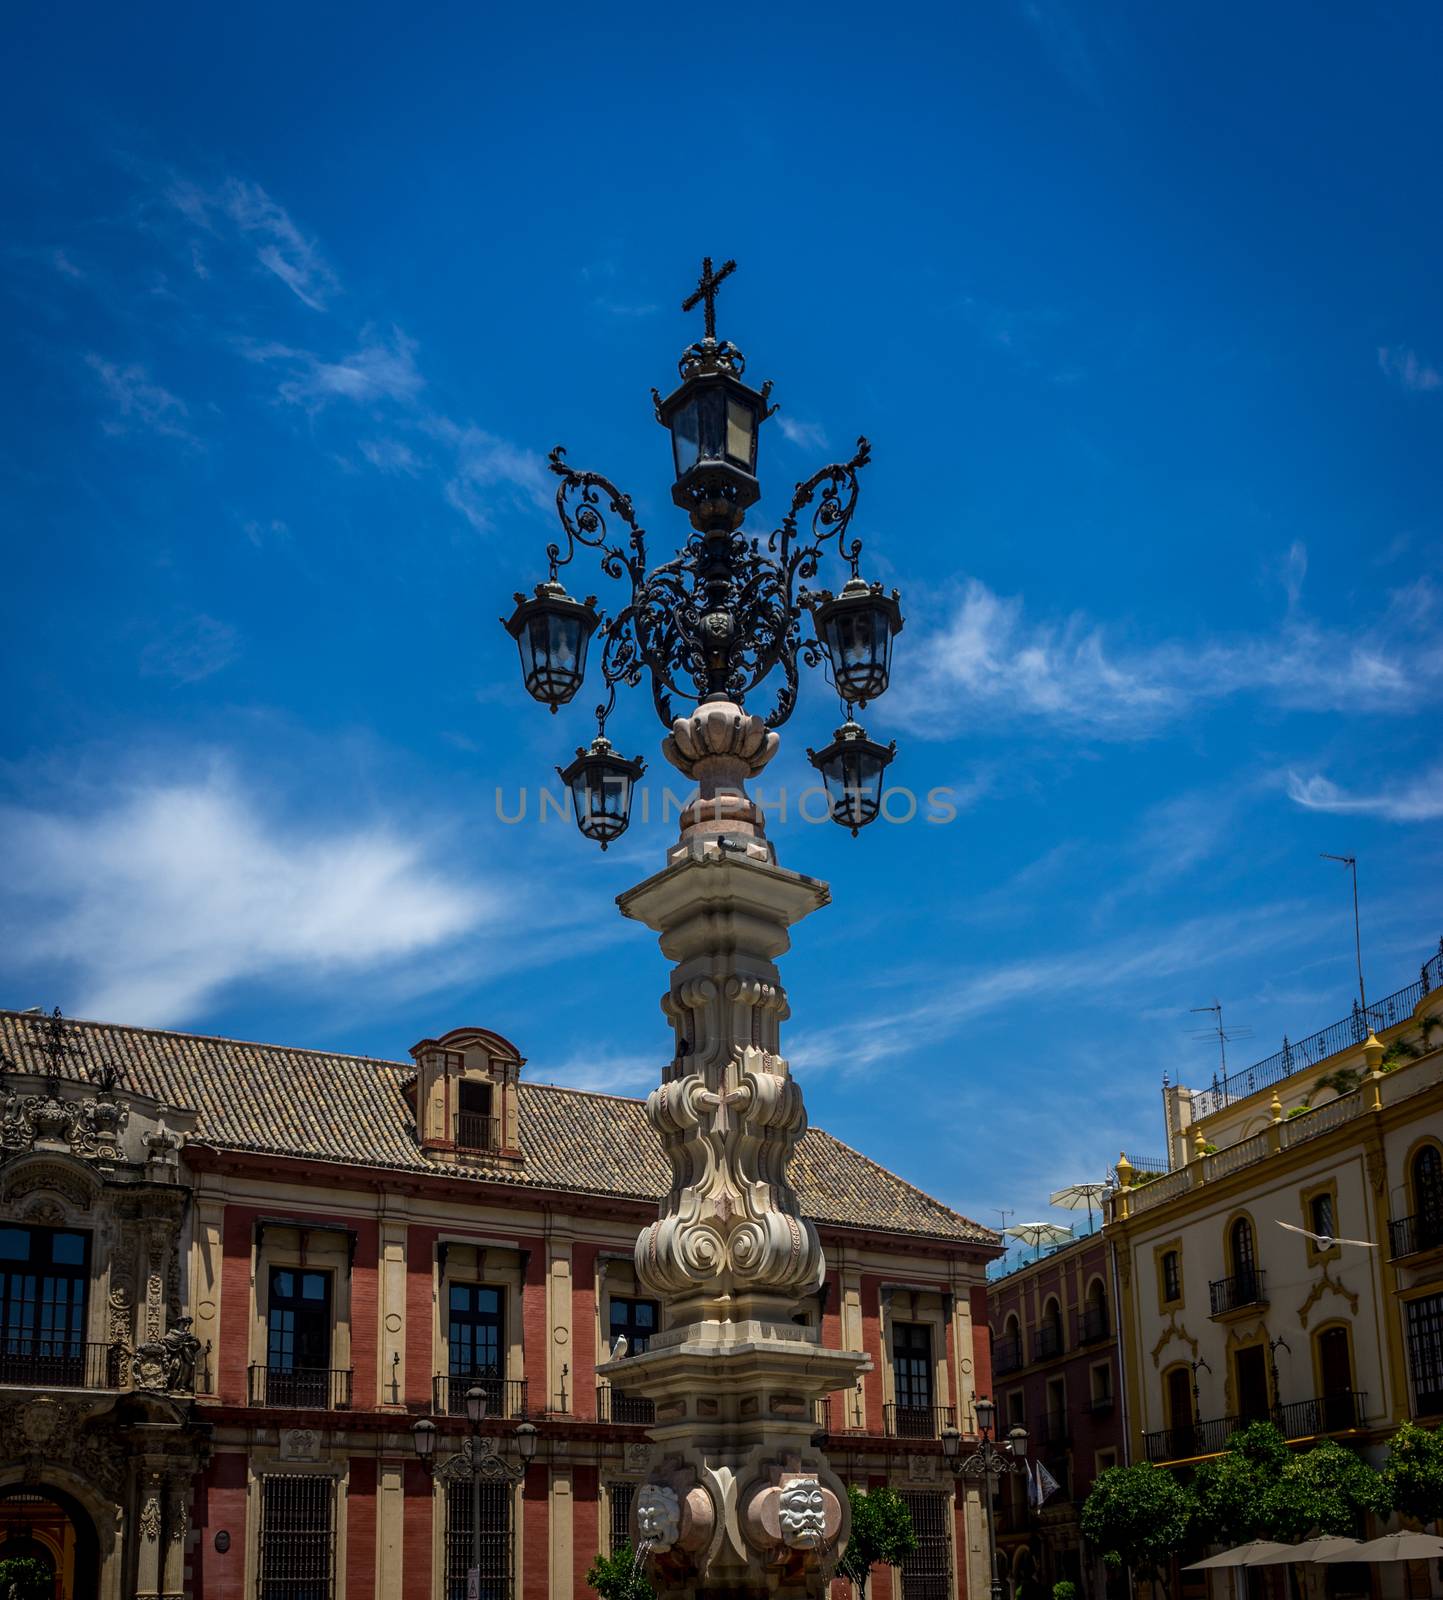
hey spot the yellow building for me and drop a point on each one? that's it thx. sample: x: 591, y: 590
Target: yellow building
x: 1242, y: 1295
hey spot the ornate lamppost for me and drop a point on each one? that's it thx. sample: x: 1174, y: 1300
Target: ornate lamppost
x: 987, y: 1464
x: 479, y: 1460
x: 740, y: 1499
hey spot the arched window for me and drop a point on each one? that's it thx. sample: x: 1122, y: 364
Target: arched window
x: 1094, y: 1314
x: 1049, y: 1335
x: 1240, y: 1248
x: 1428, y: 1187
x: 1007, y: 1353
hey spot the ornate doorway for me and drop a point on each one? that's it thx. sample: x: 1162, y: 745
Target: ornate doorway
x: 49, y: 1526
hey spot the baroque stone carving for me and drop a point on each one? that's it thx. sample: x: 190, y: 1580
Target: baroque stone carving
x: 1174, y: 1330
x: 91, y: 1127
x: 1326, y: 1282
x: 41, y: 1173
x: 658, y: 1516
x: 802, y: 1514
x: 45, y: 1432
x: 300, y: 1444
x: 167, y: 1365
x: 150, y: 1519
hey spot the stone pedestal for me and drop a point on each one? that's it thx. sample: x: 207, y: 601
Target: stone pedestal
x: 739, y: 1500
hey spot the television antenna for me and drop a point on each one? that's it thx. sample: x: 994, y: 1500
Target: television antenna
x: 1215, y: 1029
x: 1351, y: 863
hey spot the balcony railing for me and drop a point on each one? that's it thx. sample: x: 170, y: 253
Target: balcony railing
x: 1232, y: 1294
x: 1007, y: 1354
x: 505, y: 1397
x: 1055, y: 1428
x: 916, y: 1422
x: 476, y: 1131
x: 304, y: 1388
x: 1046, y: 1343
x: 1101, y: 1405
x: 1408, y: 1235
x: 1329, y: 1413
x: 60, y: 1364
x: 1092, y: 1324
x: 614, y: 1405
x: 1299, y: 1419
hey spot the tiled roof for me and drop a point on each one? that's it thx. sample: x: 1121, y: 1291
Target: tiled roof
x: 281, y: 1101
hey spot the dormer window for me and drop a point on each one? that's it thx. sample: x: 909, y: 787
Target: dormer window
x: 476, y: 1127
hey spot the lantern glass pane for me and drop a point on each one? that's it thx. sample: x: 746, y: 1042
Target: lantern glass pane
x: 685, y: 437
x: 711, y: 413
x: 859, y: 642
x: 741, y: 439
x: 553, y: 655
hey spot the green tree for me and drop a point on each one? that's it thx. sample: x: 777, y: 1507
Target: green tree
x: 1064, y: 1589
x: 1231, y: 1489
x: 1327, y: 1490
x: 617, y: 1577
x: 1413, y: 1473
x: 882, y: 1532
x: 24, y: 1578
x: 1139, y: 1517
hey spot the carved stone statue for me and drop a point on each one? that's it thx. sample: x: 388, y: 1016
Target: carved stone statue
x: 658, y: 1516
x: 803, y: 1514
x: 181, y: 1350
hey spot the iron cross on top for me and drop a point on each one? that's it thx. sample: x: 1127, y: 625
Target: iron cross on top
x: 706, y: 290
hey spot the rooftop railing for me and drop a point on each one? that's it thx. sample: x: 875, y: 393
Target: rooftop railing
x: 1317, y: 1047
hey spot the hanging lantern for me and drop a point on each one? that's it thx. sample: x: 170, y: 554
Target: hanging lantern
x: 601, y: 788
x: 856, y: 629
x: 851, y: 768
x: 552, y: 631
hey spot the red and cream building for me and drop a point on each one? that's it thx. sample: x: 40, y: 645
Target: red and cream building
x: 357, y: 1243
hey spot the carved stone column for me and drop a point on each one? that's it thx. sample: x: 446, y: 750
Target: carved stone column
x: 149, y: 1528
x: 739, y: 1500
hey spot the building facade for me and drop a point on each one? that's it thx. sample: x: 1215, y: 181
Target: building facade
x: 1243, y: 1295
x: 1056, y: 1371
x: 229, y: 1318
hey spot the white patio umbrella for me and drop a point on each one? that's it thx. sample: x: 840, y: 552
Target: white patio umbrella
x: 1038, y: 1234
x: 1077, y: 1195
x: 1392, y: 1547
x: 1243, y: 1555
x: 1330, y: 1546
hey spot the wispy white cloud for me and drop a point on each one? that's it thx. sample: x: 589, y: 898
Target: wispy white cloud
x: 138, y: 401
x: 809, y: 435
x: 278, y: 244
x: 601, y: 1071
x: 1413, y: 799
x: 173, y: 891
x: 485, y: 463
x: 62, y: 263
x: 1408, y: 368
x: 191, y: 651
x: 992, y: 662
x: 390, y: 455
x: 380, y: 369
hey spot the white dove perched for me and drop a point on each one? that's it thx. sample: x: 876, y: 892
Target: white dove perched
x: 1322, y: 1240
x: 618, y: 1350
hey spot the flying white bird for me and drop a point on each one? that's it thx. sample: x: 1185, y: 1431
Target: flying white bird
x: 1322, y: 1240
x: 618, y: 1350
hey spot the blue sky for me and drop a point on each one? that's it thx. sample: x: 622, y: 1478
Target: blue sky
x: 1139, y: 306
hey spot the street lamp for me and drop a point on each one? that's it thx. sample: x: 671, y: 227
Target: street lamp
x: 711, y: 624
x: 479, y: 1459
x: 989, y: 1464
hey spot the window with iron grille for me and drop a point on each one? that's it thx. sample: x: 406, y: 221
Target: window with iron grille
x: 622, y: 1495
x: 298, y: 1537
x: 495, y: 1540
x: 927, y: 1572
x: 1425, y: 1352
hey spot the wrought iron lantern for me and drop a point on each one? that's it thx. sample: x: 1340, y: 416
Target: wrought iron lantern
x: 552, y: 631
x: 601, y: 784
x: 851, y: 768
x: 856, y: 628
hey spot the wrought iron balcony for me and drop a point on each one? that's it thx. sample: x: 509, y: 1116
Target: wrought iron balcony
x: 1233, y: 1294
x: 614, y: 1405
x: 1190, y: 1439
x: 916, y: 1422
x: 475, y: 1131
x: 1299, y: 1419
x: 1092, y: 1324
x: 505, y: 1397
x: 1007, y: 1354
x: 60, y: 1364
x: 1408, y: 1235
x: 302, y: 1388
x: 1047, y: 1342
x: 1101, y: 1405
